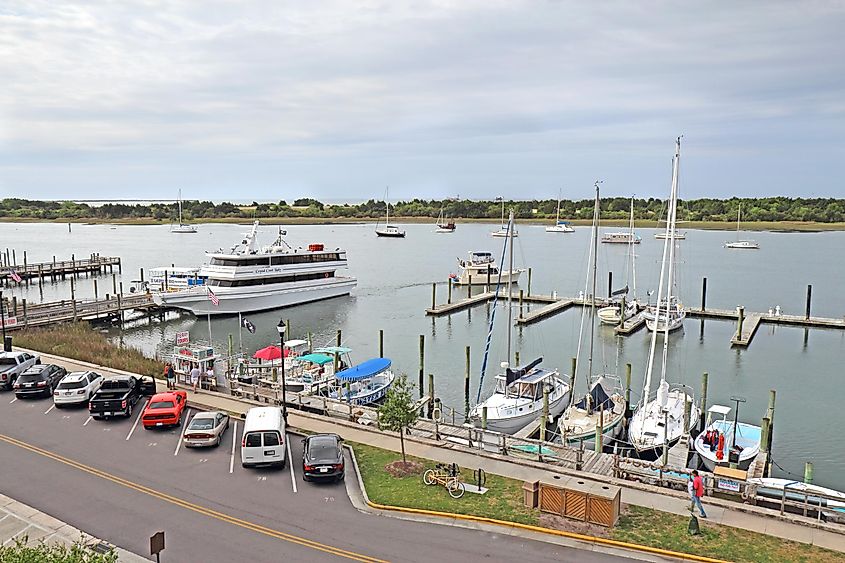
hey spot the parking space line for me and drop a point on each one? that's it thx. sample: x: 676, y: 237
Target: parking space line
x: 13, y: 400
x: 290, y: 463
x: 186, y: 414
x: 234, y: 443
x: 51, y: 408
x: 90, y: 418
x: 134, y: 426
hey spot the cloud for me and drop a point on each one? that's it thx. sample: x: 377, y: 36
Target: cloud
x: 468, y: 97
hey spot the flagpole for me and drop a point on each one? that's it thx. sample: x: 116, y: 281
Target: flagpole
x: 208, y: 314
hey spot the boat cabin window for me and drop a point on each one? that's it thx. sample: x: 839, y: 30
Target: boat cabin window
x: 271, y: 280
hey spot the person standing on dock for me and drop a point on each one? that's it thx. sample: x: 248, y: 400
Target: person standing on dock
x: 695, y: 487
x: 195, y: 377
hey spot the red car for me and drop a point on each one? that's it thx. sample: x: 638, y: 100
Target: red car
x: 165, y: 409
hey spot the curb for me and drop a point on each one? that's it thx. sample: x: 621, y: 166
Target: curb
x: 582, y: 538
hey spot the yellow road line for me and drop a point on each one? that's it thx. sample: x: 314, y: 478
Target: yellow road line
x: 191, y: 506
x: 570, y: 535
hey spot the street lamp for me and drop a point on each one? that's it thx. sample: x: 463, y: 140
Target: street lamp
x: 3, y: 320
x: 281, y: 328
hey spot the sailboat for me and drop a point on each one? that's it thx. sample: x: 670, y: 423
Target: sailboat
x: 560, y: 226
x: 503, y: 230
x: 444, y: 224
x: 519, y: 394
x: 660, y: 422
x: 746, y: 244
x: 390, y: 231
x: 620, y: 308
x: 182, y: 227
x: 738, y: 439
x: 669, y: 313
x: 603, y: 404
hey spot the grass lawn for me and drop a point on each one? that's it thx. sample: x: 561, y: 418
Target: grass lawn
x: 638, y: 525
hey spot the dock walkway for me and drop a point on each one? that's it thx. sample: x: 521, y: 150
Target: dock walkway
x: 75, y: 309
x: 57, y: 269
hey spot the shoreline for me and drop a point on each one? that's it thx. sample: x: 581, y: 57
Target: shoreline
x: 772, y: 226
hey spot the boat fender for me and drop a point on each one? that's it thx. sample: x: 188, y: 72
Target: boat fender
x: 437, y: 414
x: 327, y: 275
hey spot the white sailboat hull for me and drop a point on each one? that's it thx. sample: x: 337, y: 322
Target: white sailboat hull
x: 611, y: 314
x: 183, y: 229
x: 234, y: 300
x: 675, y: 320
x: 743, y: 244
x: 509, y: 415
x: 503, y: 233
x: 560, y: 229
x: 658, y: 422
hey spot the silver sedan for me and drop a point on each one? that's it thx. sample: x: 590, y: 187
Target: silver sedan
x: 206, y: 429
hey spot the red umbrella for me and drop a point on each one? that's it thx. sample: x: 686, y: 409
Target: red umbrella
x: 270, y: 353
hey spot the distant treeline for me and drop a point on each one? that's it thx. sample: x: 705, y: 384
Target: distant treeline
x: 753, y: 209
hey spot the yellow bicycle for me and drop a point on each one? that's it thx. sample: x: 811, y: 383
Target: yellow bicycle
x: 447, y: 475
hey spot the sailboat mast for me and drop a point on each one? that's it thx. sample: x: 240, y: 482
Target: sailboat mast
x: 595, y: 250
x: 666, y: 243
x: 387, y: 203
x: 633, y: 259
x: 180, y: 206
x: 503, y: 213
x: 738, y: 212
x: 557, y: 216
x: 510, y: 281
x: 673, y: 210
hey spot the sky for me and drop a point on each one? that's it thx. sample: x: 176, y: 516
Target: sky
x: 271, y: 100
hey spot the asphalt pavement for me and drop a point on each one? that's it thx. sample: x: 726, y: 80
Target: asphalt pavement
x: 117, y: 481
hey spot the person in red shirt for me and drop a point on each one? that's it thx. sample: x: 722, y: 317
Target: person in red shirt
x: 697, y: 492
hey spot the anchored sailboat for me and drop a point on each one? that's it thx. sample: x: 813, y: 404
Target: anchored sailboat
x: 746, y: 244
x: 182, y: 227
x: 503, y: 230
x: 603, y: 406
x: 390, y: 231
x: 560, y: 226
x: 444, y: 224
x: 520, y: 393
x: 661, y: 421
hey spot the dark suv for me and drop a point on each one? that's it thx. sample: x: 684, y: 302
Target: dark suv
x: 39, y: 380
x: 322, y: 457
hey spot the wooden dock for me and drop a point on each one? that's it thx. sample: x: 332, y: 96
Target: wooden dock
x: 631, y: 326
x: 74, y: 310
x: 552, y: 308
x: 749, y: 327
x: 94, y: 264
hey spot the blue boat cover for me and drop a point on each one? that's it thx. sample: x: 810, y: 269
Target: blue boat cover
x: 364, y: 370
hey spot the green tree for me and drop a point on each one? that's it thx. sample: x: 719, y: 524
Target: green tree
x: 397, y: 412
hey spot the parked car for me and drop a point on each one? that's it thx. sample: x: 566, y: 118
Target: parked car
x: 76, y: 388
x: 40, y: 379
x: 322, y: 457
x: 206, y: 429
x: 263, y: 441
x: 117, y: 395
x: 164, y: 409
x: 12, y: 364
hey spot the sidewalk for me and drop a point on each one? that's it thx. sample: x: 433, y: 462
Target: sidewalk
x: 18, y: 520
x: 747, y: 517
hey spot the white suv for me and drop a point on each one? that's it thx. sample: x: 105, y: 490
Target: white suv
x: 76, y: 388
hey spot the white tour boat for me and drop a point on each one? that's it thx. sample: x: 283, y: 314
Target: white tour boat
x: 480, y: 269
x: 737, y: 439
x: 603, y: 406
x: 248, y: 278
x: 519, y: 394
x: 182, y: 227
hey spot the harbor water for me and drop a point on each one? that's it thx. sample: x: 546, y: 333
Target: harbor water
x: 394, y: 288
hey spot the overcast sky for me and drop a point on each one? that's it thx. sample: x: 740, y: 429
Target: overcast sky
x: 336, y: 100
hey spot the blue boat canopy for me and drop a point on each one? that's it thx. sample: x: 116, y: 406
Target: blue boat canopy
x: 364, y: 370
x: 319, y: 359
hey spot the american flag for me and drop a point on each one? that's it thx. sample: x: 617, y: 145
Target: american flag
x: 15, y: 276
x: 214, y: 299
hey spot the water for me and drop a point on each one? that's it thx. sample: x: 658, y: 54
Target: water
x: 394, y: 288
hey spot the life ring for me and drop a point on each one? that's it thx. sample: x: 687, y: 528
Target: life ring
x: 437, y: 414
x: 327, y: 275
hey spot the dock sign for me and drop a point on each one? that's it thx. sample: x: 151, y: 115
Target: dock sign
x: 182, y: 338
x: 10, y: 321
x: 727, y: 485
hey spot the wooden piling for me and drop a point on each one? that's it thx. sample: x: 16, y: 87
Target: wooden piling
x: 469, y: 288
x: 600, y: 430
x: 627, y: 390
x: 740, y: 312
x: 703, y: 418
x: 764, y: 435
x: 25, y: 323
x: 74, y: 273
x: 24, y: 268
x: 687, y: 414
x: 515, y: 359
x: 529, y: 282
x: 422, y: 363
x: 380, y: 342
x: 488, y: 280
x: 809, y: 299
x: 339, y: 337
x: 430, y: 395
x: 142, y: 275
x: 449, y: 292
x: 96, y: 293
x: 703, y: 293
x: 466, y: 388
x: 114, y: 283
x: 808, y: 472
x: 610, y: 284
x: 545, y: 420
x: 521, y: 296
x: 483, y: 417
x: 73, y: 297
x: 433, y: 295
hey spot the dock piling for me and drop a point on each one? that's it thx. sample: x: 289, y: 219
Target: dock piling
x: 809, y: 299
x: 448, y: 293
x: 702, y: 419
x: 703, y: 293
x: 25, y: 324
x: 808, y: 472
x: 430, y: 395
x: 529, y: 281
x: 483, y: 417
x: 466, y: 388
x: 545, y: 420
x: 433, y: 295
x: 24, y: 267
x: 740, y: 312
x: 422, y: 363
x: 600, y: 430
x: 521, y: 296
x: 627, y: 389
x: 469, y: 288
x: 339, y: 337
x: 610, y: 284
x: 380, y: 342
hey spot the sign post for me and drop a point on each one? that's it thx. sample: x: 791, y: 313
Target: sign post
x: 157, y: 545
x: 182, y: 338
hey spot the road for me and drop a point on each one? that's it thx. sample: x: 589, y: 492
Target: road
x: 122, y: 483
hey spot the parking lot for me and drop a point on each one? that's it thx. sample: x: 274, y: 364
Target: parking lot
x: 121, y: 482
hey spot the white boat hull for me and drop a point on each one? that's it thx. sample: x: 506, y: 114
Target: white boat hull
x: 511, y: 419
x: 610, y: 314
x: 481, y: 279
x: 748, y: 438
x: 183, y: 229
x: 676, y: 321
x: 560, y: 229
x: 647, y: 431
x: 743, y: 244
x: 234, y: 300
x: 503, y: 234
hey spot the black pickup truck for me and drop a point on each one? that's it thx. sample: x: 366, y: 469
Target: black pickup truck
x: 118, y: 394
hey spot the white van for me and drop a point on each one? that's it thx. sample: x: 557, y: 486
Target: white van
x: 263, y: 441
